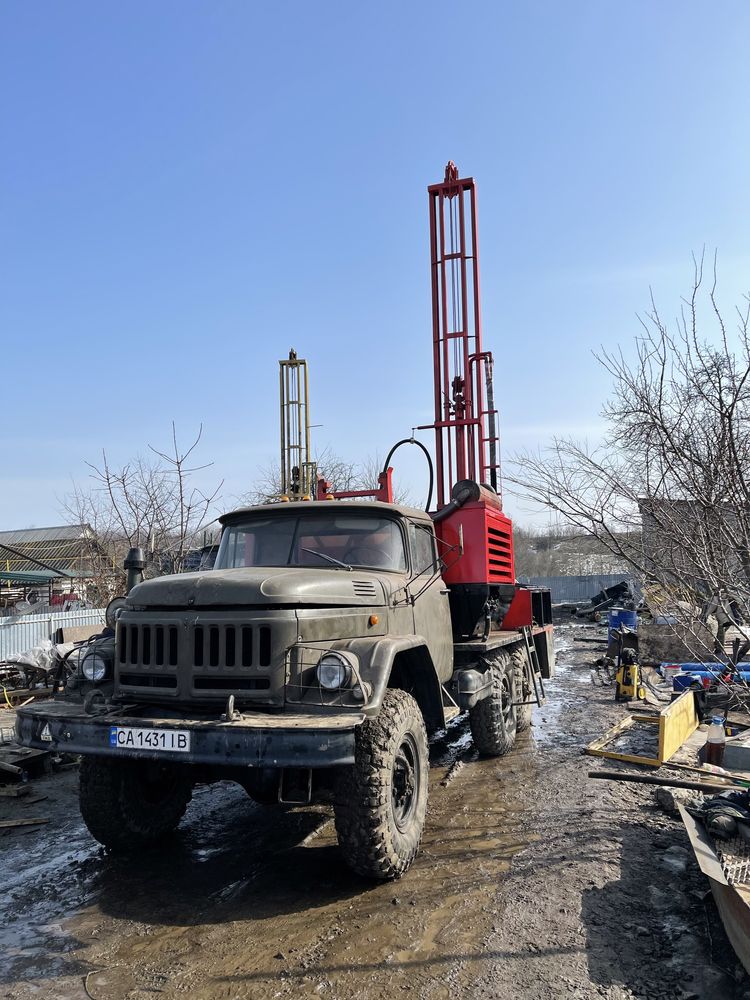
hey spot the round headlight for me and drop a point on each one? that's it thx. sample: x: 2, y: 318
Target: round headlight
x: 94, y: 668
x: 333, y: 671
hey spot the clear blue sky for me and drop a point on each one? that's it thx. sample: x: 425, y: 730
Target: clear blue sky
x: 188, y: 189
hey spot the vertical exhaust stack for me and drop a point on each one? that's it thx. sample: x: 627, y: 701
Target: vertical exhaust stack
x: 135, y: 563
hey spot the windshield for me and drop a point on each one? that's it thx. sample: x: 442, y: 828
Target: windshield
x: 315, y: 539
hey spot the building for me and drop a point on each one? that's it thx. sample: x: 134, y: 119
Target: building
x: 46, y: 565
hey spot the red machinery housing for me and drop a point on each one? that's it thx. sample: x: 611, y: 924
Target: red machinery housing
x: 487, y: 536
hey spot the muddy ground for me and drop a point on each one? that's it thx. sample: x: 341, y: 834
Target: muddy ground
x: 533, y: 881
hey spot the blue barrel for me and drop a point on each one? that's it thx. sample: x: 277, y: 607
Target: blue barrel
x: 617, y: 617
x: 682, y: 681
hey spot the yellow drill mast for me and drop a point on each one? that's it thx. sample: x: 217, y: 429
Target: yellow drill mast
x: 298, y: 473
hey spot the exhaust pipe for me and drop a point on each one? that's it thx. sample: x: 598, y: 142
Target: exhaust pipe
x: 135, y: 563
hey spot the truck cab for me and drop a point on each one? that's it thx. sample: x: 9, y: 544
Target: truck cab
x: 308, y: 605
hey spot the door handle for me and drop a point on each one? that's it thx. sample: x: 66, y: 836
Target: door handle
x: 446, y: 591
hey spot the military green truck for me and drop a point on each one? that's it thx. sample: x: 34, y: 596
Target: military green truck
x: 311, y: 663
x: 332, y: 636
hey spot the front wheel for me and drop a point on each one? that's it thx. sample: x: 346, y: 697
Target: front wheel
x: 381, y: 801
x: 493, y: 720
x: 128, y: 804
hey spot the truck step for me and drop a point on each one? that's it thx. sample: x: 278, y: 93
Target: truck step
x: 450, y: 712
x: 533, y: 669
x: 450, y: 708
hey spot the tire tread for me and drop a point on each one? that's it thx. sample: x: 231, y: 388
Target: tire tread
x: 363, y: 801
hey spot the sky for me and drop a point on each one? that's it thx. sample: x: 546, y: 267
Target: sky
x: 188, y: 189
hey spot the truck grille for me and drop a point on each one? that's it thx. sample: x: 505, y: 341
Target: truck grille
x: 206, y: 660
x: 149, y: 680
x: 210, y: 646
x: 147, y: 644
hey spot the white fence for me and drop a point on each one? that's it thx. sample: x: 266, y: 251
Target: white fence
x: 18, y: 634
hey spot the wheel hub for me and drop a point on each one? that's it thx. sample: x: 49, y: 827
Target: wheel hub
x: 405, y: 782
x: 506, y: 702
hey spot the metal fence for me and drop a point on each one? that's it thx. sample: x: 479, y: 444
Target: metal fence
x: 576, y: 589
x: 19, y: 634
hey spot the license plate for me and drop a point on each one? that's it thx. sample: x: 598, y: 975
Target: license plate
x: 128, y: 738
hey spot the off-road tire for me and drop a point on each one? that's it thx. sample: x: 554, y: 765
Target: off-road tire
x: 493, y: 720
x: 381, y: 801
x: 128, y: 804
x: 518, y: 659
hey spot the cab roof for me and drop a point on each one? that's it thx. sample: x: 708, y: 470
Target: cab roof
x: 320, y: 506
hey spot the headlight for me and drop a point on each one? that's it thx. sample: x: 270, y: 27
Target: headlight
x: 94, y: 668
x: 333, y: 671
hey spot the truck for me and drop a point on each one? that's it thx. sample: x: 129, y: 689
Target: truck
x: 334, y: 635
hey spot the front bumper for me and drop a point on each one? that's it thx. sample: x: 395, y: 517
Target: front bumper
x: 283, y: 740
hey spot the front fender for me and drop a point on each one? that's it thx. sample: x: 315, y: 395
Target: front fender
x: 400, y: 661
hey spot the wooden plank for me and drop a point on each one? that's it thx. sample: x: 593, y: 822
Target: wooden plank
x: 622, y: 726
x: 628, y: 758
x: 677, y: 721
x: 78, y: 633
x: 731, y: 900
x: 13, y: 693
x: 598, y: 748
x: 6, y: 824
x: 13, y: 791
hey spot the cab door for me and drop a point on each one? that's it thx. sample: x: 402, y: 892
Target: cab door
x: 432, y: 616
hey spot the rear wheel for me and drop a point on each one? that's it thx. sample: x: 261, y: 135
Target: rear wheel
x: 519, y: 663
x: 493, y: 720
x: 129, y: 804
x: 381, y: 801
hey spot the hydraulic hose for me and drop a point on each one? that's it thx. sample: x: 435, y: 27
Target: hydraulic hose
x: 419, y: 444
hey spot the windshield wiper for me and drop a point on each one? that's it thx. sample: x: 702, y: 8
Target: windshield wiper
x: 330, y: 559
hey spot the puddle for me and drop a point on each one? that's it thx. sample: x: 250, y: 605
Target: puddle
x: 238, y: 873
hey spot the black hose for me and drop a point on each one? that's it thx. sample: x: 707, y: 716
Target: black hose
x: 419, y: 444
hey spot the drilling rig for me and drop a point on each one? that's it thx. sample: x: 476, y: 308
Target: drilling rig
x: 332, y: 637
x: 469, y: 503
x: 298, y: 473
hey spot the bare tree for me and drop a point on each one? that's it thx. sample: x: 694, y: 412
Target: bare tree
x: 151, y: 502
x: 667, y: 491
x: 367, y: 477
x: 561, y: 550
x: 185, y: 510
x: 339, y: 472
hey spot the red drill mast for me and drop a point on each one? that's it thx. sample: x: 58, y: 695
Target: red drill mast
x: 465, y: 434
x: 468, y: 516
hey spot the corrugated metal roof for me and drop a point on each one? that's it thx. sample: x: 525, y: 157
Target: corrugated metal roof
x: 29, y: 576
x: 62, y: 532
x: 66, y: 548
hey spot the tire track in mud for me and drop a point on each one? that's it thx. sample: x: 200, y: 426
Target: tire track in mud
x: 253, y: 902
